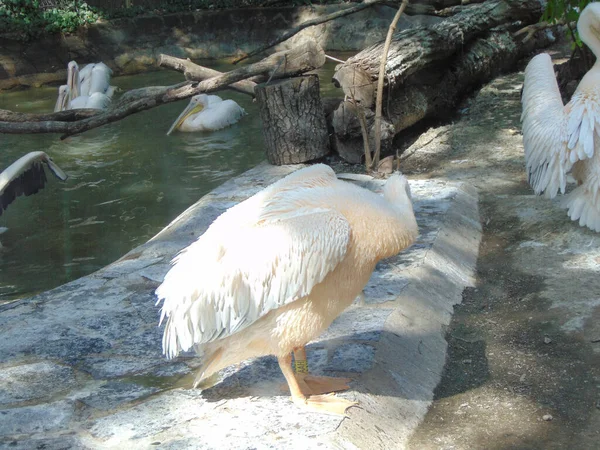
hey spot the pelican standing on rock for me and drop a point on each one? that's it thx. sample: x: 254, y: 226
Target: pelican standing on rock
x: 558, y: 138
x: 26, y: 176
x: 207, y: 113
x: 272, y: 273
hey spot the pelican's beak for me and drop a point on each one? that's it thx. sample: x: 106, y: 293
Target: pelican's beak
x: 187, y: 112
x: 73, y: 81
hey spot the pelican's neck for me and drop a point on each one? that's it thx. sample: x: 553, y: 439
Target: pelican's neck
x: 589, y: 32
x: 380, y: 228
x: 396, y: 230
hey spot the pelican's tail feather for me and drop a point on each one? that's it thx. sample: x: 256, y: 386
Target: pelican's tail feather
x: 583, y: 204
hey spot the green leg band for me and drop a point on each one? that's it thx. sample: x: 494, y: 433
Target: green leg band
x: 301, y: 366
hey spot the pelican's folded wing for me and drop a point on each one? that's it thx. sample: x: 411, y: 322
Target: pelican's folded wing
x: 226, y: 281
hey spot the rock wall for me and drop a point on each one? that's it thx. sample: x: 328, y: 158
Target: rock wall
x: 131, y: 46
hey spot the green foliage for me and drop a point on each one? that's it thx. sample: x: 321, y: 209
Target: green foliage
x: 27, y: 20
x: 565, y: 11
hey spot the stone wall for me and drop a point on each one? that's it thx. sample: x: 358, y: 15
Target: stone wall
x: 131, y: 46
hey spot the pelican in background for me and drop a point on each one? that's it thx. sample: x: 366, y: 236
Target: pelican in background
x: 207, y: 113
x: 62, y: 102
x: 26, y: 176
x: 88, y: 88
x: 561, y: 139
x: 272, y: 273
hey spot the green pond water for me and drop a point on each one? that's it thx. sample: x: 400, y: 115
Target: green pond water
x: 127, y: 181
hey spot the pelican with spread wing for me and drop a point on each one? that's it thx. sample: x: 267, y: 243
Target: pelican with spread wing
x: 26, y: 176
x: 272, y: 273
x: 207, y: 113
x: 561, y: 139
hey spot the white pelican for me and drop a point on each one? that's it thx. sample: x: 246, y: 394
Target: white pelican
x: 558, y: 138
x: 271, y: 273
x: 88, y: 88
x: 26, y: 176
x: 207, y: 113
x: 62, y: 102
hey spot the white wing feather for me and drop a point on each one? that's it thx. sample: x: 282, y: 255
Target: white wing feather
x: 544, y: 128
x: 554, y: 136
x: 258, y: 256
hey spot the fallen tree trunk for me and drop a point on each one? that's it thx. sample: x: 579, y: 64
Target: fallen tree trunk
x: 300, y: 59
x: 417, y: 48
x: 430, y: 69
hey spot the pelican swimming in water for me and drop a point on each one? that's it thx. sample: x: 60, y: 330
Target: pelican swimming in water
x: 207, y: 113
x: 86, y: 88
x: 26, y: 176
x: 561, y: 139
x: 272, y: 273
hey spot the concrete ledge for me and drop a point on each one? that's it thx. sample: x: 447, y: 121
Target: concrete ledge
x: 80, y: 366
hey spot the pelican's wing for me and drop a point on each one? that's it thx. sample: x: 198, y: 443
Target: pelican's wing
x: 544, y: 128
x: 555, y: 136
x: 26, y: 176
x: 258, y: 256
x: 100, y: 79
x: 221, y: 114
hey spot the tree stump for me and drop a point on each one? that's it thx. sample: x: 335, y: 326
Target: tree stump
x: 293, y: 119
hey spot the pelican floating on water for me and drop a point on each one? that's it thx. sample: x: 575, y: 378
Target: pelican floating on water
x: 26, y: 176
x: 207, y: 113
x: 86, y: 88
x: 558, y: 138
x: 272, y: 273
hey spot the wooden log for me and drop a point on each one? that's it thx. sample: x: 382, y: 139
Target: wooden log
x: 437, y: 97
x: 419, y: 48
x: 293, y: 120
x: 437, y: 94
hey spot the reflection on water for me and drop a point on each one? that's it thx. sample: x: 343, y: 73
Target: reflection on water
x: 127, y: 180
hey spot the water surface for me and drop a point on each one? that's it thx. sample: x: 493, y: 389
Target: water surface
x: 127, y: 180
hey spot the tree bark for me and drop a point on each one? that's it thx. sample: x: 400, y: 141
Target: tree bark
x: 430, y: 70
x: 293, y: 119
x: 417, y: 48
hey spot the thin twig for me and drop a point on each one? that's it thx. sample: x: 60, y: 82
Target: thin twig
x: 334, y: 59
x: 379, y: 102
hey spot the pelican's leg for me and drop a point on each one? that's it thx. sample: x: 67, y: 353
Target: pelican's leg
x: 322, y: 403
x: 316, y: 385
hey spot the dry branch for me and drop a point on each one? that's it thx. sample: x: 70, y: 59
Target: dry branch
x: 300, y: 59
x: 196, y: 72
x: 309, y: 23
